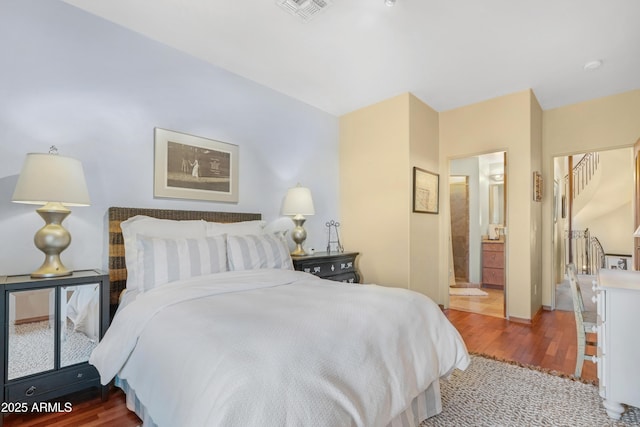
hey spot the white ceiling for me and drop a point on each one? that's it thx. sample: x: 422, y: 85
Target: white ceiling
x: 448, y: 53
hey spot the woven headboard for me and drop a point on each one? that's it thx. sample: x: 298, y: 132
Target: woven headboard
x: 117, y: 266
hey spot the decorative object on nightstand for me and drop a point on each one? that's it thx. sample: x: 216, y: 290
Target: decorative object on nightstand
x: 55, y: 182
x: 297, y: 204
x: 339, y: 267
x: 336, y: 243
x: 50, y: 327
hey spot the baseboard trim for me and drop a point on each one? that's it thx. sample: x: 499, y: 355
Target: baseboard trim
x: 520, y: 320
x: 31, y: 320
x: 524, y: 321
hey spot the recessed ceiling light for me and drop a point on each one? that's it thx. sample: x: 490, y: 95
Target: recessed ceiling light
x: 593, y: 65
x: 390, y: 3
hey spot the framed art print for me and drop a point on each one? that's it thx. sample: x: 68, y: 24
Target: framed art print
x: 425, y: 191
x: 537, y: 187
x: 618, y: 262
x: 193, y: 167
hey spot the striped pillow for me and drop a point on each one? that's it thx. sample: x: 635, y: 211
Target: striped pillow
x: 162, y: 261
x: 252, y: 252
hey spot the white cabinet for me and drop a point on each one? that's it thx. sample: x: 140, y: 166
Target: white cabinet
x: 618, y: 304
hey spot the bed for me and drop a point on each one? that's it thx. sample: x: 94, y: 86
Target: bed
x: 215, y: 328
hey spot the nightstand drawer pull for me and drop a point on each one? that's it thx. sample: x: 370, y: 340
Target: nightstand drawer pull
x: 30, y: 391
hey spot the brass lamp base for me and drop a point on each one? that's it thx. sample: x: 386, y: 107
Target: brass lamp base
x: 52, y: 239
x: 299, y: 235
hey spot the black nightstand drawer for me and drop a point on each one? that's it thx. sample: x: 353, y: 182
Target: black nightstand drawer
x: 340, y: 267
x: 346, y: 277
x: 40, y: 385
x: 329, y: 268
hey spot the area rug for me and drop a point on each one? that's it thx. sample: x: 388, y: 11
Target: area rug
x: 467, y: 292
x: 494, y: 393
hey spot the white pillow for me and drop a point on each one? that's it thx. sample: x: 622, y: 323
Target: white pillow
x: 253, y: 252
x: 163, y: 260
x: 279, y: 225
x: 153, y: 227
x: 235, y: 228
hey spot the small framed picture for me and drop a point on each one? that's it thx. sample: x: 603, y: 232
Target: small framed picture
x: 193, y: 167
x: 618, y: 262
x: 537, y: 187
x: 425, y: 191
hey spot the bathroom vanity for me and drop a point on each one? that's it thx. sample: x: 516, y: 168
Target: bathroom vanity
x: 493, y: 264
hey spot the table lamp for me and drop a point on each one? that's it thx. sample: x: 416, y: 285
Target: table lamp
x: 53, y: 181
x: 297, y: 204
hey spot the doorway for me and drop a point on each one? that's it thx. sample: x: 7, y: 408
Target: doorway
x: 593, y: 219
x: 478, y: 219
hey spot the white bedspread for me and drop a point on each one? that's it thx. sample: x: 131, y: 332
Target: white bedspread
x: 278, y: 348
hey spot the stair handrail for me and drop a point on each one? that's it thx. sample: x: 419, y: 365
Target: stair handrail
x: 588, y: 251
x: 598, y: 259
x: 583, y: 171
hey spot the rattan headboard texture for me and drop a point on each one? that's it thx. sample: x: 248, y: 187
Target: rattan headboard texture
x: 117, y: 266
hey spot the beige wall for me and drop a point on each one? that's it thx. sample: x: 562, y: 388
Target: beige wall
x: 500, y: 124
x: 379, y: 145
x: 423, y: 228
x: 595, y: 125
x: 374, y: 183
x: 536, y: 207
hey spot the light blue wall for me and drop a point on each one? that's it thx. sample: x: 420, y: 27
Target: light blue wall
x: 97, y: 91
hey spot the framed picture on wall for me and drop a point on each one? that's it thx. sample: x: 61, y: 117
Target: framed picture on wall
x: 425, y: 191
x: 192, y: 167
x: 617, y: 262
x: 537, y: 187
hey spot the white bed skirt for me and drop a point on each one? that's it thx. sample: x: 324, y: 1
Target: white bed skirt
x: 425, y: 405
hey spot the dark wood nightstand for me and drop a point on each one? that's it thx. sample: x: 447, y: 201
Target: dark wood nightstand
x: 337, y: 266
x: 45, y: 352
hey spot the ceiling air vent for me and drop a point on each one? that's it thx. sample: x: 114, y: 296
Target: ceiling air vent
x: 304, y: 9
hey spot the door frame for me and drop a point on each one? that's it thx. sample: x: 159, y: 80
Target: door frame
x: 505, y: 292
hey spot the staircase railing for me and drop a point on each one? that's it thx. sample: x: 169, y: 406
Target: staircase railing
x: 588, y: 254
x: 581, y: 249
x: 582, y: 173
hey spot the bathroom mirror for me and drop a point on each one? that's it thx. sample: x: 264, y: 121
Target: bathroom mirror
x: 496, y: 203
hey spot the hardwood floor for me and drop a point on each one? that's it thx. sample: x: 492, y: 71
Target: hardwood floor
x: 490, y: 305
x: 88, y: 411
x: 550, y: 343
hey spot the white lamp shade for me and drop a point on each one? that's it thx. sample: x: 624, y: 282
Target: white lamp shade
x: 298, y: 201
x: 51, y: 178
